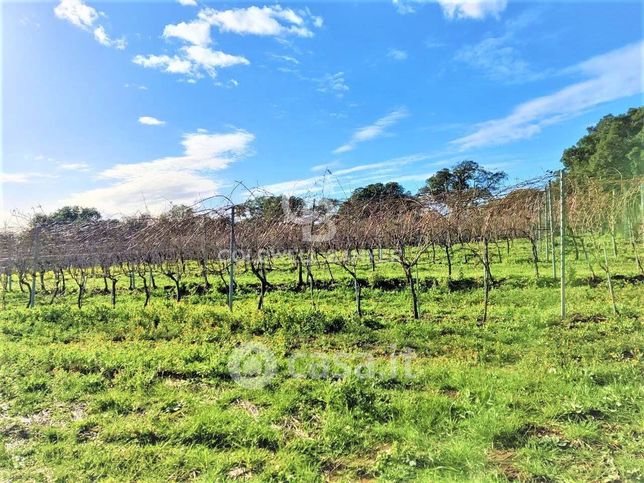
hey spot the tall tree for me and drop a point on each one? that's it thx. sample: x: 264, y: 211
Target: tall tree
x: 373, y: 197
x: 611, y: 149
x: 466, y: 178
x: 67, y: 214
x: 269, y: 208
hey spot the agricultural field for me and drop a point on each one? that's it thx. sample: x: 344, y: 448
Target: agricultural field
x: 305, y: 390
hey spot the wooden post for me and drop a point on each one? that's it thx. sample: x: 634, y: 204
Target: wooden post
x: 231, y: 282
x: 562, y: 233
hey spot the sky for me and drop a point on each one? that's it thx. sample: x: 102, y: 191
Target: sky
x: 133, y: 107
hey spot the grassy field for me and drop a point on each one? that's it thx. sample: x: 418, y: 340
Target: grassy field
x: 151, y: 394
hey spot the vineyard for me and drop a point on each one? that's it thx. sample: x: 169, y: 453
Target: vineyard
x: 466, y: 336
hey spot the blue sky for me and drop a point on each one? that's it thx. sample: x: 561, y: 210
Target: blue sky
x: 130, y: 107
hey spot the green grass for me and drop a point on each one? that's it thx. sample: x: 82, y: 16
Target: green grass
x: 128, y: 393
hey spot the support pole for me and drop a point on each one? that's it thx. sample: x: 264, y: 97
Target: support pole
x: 231, y: 282
x: 551, y: 226
x: 545, y: 225
x: 562, y: 233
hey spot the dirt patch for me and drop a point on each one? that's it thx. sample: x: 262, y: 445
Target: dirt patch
x: 41, y: 418
x: 15, y: 431
x: 449, y: 391
x: 583, y: 415
x: 240, y: 473
x: 504, y: 461
x: 87, y: 433
x: 577, y: 319
x: 517, y: 438
x: 629, y: 279
x: 293, y: 427
x: 248, y: 407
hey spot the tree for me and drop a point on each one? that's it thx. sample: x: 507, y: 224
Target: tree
x: 67, y: 214
x: 372, y: 198
x: 611, y: 149
x: 466, y: 178
x: 269, y: 208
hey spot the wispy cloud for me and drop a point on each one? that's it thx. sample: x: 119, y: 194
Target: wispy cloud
x: 373, y: 131
x: 150, y: 121
x: 24, y: 177
x: 457, y: 9
x: 191, y: 61
x: 498, y: 57
x: 188, y: 3
x: 334, y: 83
x: 140, y: 87
x: 397, y: 54
x: 197, y: 58
x: 342, y: 181
x: 85, y: 17
x: 269, y: 21
x: 610, y: 76
x: 285, y: 58
x: 74, y: 166
x: 179, y: 179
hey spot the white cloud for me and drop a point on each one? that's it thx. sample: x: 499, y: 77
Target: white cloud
x: 498, y: 61
x: 150, y: 121
x: 188, y: 3
x: 271, y: 21
x: 191, y: 61
x: 22, y: 178
x: 74, y: 166
x: 498, y: 57
x: 197, y: 32
x: 397, y: 54
x: 210, y: 60
x: 342, y: 181
x: 101, y: 36
x: 172, y: 65
x: 373, y: 131
x: 85, y: 17
x: 610, y: 76
x: 334, y: 83
x: 76, y: 12
x: 141, y: 87
x: 474, y: 9
x: 178, y: 179
x: 457, y: 9
x: 196, y: 58
x: 286, y: 58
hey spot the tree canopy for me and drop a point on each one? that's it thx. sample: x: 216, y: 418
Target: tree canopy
x: 67, y: 214
x: 611, y: 149
x: 269, y: 208
x: 466, y: 177
x: 370, y: 198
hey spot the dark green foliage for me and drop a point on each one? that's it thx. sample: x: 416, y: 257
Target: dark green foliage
x: 67, y: 214
x: 611, y: 149
x: 269, y: 208
x: 467, y: 177
x: 374, y: 197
